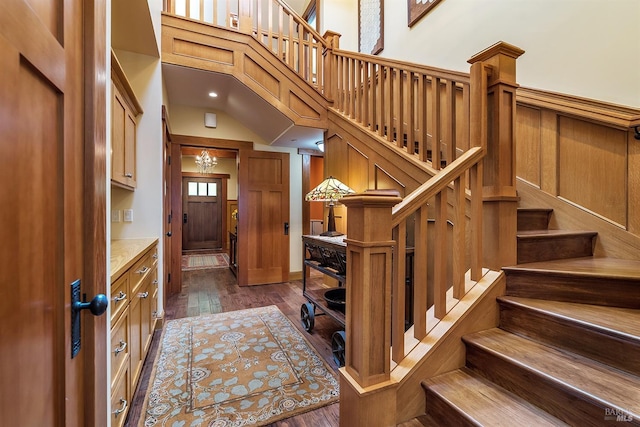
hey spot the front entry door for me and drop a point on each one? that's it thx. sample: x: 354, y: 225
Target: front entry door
x: 202, y: 214
x: 263, y: 228
x: 42, y: 212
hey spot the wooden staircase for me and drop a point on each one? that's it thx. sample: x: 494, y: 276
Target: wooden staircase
x: 567, y: 350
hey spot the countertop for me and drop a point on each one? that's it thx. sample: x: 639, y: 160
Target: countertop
x: 125, y: 252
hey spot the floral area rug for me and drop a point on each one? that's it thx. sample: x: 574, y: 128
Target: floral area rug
x: 204, y: 261
x: 241, y: 368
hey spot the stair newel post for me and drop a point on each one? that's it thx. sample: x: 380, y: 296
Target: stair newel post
x: 499, y: 165
x: 366, y: 395
x: 333, y: 42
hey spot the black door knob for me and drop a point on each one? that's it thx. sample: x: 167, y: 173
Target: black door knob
x: 168, y: 234
x: 97, y: 306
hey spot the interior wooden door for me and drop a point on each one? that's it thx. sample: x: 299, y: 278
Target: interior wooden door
x: 42, y: 200
x: 167, y: 249
x: 263, y: 228
x: 202, y: 213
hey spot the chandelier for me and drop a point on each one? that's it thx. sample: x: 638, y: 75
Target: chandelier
x: 205, y: 163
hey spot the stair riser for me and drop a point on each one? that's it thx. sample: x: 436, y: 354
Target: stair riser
x: 533, y: 219
x: 445, y: 414
x: 560, y: 401
x: 534, y: 249
x: 604, y: 346
x: 580, y: 289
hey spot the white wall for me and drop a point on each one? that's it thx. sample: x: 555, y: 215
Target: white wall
x: 341, y: 16
x: 190, y: 121
x: 587, y: 48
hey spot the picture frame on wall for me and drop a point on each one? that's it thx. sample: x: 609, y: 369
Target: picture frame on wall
x: 418, y: 8
x: 370, y: 26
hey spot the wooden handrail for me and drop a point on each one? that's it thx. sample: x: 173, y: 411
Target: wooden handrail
x: 435, y: 185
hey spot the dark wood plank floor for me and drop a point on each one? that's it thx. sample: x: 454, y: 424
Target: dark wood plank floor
x: 215, y: 291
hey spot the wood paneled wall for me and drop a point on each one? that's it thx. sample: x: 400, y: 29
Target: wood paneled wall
x: 582, y: 152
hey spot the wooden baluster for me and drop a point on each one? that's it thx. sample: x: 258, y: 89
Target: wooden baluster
x: 459, y: 237
x: 365, y: 116
x: 291, y: 47
x: 300, y: 62
x: 440, y: 256
x: 381, y: 105
x: 282, y: 54
x: 409, y: 111
x: 270, y: 27
x: 373, y: 79
x: 475, y: 184
x: 388, y: 96
x: 398, y: 77
x: 357, y: 99
x: 421, y: 99
x: 346, y: 67
x: 420, y: 256
x: 339, y: 83
x: 450, y: 121
x: 464, y: 123
x: 318, y: 70
x: 353, y: 101
x: 259, y: 32
x: 435, y: 122
x: 398, y: 292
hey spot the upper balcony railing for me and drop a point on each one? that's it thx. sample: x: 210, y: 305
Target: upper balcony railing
x: 272, y: 23
x: 423, y: 110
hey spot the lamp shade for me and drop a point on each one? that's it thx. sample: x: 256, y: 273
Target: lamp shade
x: 329, y: 190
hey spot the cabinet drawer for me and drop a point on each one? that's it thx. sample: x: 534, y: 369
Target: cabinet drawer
x: 140, y: 271
x: 119, y: 296
x: 120, y: 399
x: 120, y: 351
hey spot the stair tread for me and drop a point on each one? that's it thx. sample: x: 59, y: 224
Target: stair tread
x: 621, y: 321
x: 612, y: 387
x: 589, y: 266
x: 554, y: 233
x: 486, y: 403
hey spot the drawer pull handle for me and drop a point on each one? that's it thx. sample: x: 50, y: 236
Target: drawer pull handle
x: 128, y: 175
x: 143, y: 270
x: 120, y: 348
x: 154, y: 314
x: 155, y: 282
x: 154, y: 256
x: 120, y: 297
x: 144, y: 295
x: 123, y: 407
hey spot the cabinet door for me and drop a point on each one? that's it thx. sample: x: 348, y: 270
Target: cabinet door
x: 135, y: 349
x: 146, y: 308
x: 123, y: 142
x: 118, y: 120
x: 130, y: 149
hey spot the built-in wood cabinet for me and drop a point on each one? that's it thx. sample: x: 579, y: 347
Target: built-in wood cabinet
x: 134, y: 298
x: 125, y: 109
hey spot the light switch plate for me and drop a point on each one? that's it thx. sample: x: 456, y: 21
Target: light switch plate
x: 128, y: 215
x: 115, y: 215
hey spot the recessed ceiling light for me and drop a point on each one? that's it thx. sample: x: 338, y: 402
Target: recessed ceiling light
x: 213, y: 94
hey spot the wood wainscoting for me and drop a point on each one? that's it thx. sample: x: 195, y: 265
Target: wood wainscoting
x: 582, y: 152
